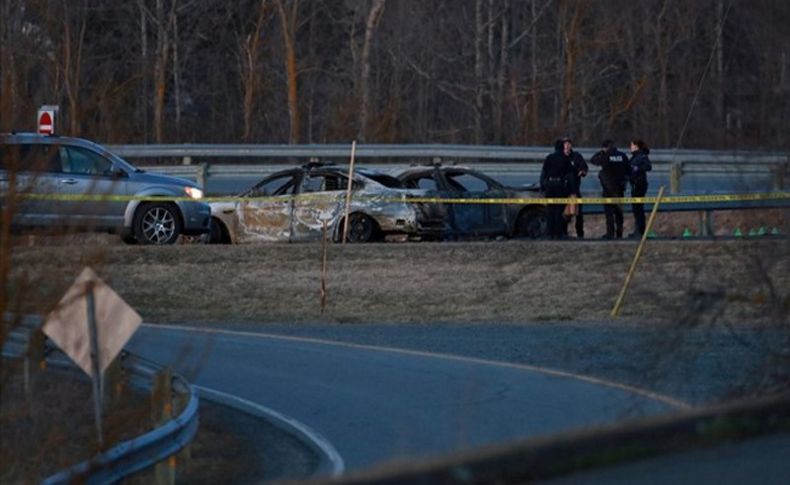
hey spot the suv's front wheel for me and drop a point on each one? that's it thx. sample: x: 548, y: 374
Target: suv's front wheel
x: 158, y: 223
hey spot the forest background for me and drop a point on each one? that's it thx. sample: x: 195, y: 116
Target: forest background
x: 678, y: 73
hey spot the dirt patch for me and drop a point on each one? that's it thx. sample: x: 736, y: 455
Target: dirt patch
x: 510, y: 281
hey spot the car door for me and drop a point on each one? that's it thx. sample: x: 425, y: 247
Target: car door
x: 88, y: 176
x: 321, y: 195
x: 265, y: 212
x: 36, y: 169
x: 476, y: 218
x: 434, y: 218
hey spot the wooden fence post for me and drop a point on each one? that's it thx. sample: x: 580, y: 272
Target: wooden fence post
x: 34, y: 359
x: 162, y: 412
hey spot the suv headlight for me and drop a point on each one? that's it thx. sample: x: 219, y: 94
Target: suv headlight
x: 194, y: 192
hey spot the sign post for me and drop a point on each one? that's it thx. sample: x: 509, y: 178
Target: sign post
x: 97, y: 374
x: 348, y: 191
x: 110, y: 324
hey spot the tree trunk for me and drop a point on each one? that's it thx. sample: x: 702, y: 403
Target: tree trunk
x: 72, y: 63
x: 176, y: 76
x: 478, y: 106
x: 7, y: 68
x: 719, y: 107
x: 570, y: 44
x: 288, y: 22
x: 142, y: 102
x: 534, y: 104
x: 374, y: 16
x: 164, y: 22
x: 662, y: 57
x: 249, y: 51
x: 499, y: 106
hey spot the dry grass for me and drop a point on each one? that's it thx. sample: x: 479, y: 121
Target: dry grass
x: 513, y: 281
x: 53, y: 427
x: 734, y: 282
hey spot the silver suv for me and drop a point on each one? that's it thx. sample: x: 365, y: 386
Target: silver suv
x: 60, y: 181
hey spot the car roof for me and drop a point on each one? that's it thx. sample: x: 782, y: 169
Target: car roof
x: 35, y: 138
x: 418, y: 169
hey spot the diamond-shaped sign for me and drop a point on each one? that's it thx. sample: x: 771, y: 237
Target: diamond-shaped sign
x: 67, y: 324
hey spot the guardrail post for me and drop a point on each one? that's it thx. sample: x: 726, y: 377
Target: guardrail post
x: 202, y: 175
x: 779, y: 171
x: 706, y: 223
x: 675, y: 173
x: 186, y: 160
x: 162, y: 412
x: 180, y: 402
x: 34, y: 358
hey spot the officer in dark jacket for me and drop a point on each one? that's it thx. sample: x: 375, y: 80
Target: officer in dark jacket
x: 639, y: 166
x: 614, y: 174
x: 556, y: 180
x: 580, y: 170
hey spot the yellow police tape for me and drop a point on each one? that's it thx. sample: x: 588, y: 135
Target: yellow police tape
x: 677, y: 199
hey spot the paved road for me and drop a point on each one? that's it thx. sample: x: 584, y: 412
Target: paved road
x: 377, y: 405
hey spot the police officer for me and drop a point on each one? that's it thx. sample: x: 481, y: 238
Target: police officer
x: 580, y: 171
x: 640, y: 165
x: 556, y: 181
x: 614, y: 175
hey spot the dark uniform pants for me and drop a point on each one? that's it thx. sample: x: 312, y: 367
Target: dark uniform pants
x: 554, y: 218
x: 639, y: 189
x: 579, y: 217
x: 613, y: 212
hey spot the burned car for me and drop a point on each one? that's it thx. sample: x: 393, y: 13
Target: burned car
x: 292, y: 205
x: 461, y: 220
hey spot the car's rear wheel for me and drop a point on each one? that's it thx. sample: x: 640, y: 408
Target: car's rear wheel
x: 218, y: 234
x: 158, y: 223
x: 361, y: 228
x: 532, y: 224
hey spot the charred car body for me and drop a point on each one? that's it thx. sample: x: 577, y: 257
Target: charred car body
x: 454, y: 220
x: 292, y: 205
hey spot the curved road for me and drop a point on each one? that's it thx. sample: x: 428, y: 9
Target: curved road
x: 377, y: 404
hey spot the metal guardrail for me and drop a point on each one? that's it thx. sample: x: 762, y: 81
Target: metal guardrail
x: 495, y: 160
x: 132, y: 456
x: 415, y: 151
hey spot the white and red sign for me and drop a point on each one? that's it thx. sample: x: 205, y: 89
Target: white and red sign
x: 46, y: 120
x: 67, y: 325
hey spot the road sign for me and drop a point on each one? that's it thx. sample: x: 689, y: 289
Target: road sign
x: 68, y: 324
x: 46, y: 119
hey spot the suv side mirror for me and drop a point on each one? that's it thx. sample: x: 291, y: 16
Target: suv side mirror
x: 119, y: 173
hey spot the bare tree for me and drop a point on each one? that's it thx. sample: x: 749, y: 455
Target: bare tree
x: 250, y: 66
x: 74, y: 22
x: 8, y: 27
x: 289, y: 18
x: 374, y: 15
x: 163, y: 20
